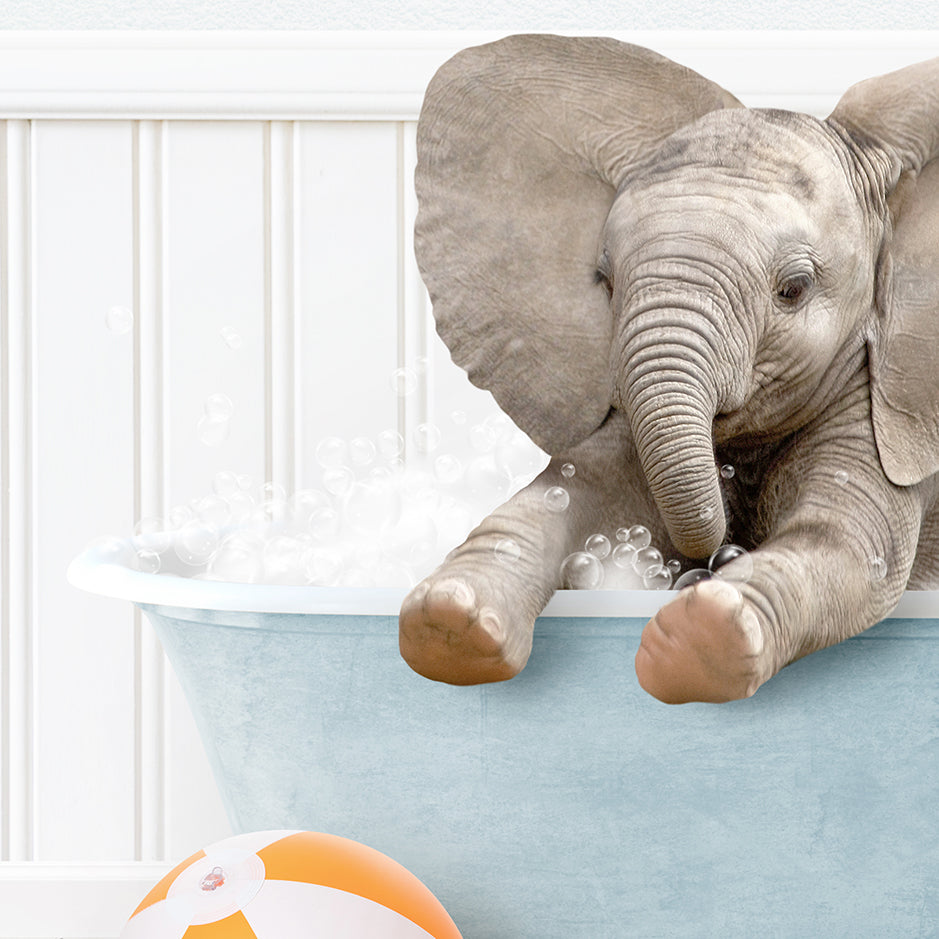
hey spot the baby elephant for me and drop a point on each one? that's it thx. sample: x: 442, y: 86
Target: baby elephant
x: 655, y: 281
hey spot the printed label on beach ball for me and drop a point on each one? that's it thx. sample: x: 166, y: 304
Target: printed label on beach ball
x: 289, y: 885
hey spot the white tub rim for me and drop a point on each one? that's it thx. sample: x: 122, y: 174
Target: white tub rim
x: 90, y: 571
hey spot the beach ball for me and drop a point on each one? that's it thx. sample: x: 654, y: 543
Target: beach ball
x: 289, y: 885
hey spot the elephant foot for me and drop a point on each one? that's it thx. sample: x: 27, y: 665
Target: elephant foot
x: 705, y: 645
x: 447, y: 634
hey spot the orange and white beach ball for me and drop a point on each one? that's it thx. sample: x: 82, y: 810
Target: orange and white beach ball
x: 289, y: 885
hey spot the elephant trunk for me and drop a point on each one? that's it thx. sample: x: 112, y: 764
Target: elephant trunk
x: 669, y: 393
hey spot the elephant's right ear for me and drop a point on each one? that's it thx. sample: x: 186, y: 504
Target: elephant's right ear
x: 521, y: 146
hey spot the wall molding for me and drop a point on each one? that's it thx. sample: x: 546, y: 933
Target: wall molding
x: 372, y: 76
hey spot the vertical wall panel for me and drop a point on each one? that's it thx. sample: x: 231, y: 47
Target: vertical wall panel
x: 348, y: 311
x: 214, y: 236
x: 84, y: 477
x: 17, y: 496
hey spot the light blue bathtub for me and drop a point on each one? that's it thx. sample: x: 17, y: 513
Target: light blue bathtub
x: 567, y: 803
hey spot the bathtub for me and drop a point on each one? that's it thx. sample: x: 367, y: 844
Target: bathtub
x: 567, y: 803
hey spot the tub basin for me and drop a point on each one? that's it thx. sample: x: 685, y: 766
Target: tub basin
x: 567, y: 803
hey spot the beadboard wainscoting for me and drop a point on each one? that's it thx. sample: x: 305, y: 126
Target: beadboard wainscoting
x: 209, y: 184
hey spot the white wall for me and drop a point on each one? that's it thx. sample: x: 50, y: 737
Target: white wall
x: 256, y: 182
x: 515, y: 15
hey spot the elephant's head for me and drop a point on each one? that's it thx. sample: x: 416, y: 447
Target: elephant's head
x: 600, y: 227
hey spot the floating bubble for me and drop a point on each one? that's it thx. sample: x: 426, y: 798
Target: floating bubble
x: 482, y: 438
x: 225, y: 484
x: 646, y: 559
x: 674, y: 566
x: 657, y: 578
x: 178, y: 516
x: 403, y: 382
x: 448, y: 469
x: 212, y: 431
x: 841, y: 477
x: 692, y: 577
x: 362, y: 451
x: 556, y: 499
x: 637, y: 537
x: 458, y: 417
x: 231, y: 337
x: 238, y: 559
x: 213, y: 509
x: 598, y: 545
x: 568, y: 470
x: 507, y: 552
x: 331, y: 452
x: 218, y: 407
x: 623, y: 556
x: 743, y: 564
x: 152, y: 534
x: 878, y: 568
x: 148, y: 562
x: 196, y: 542
x: 727, y: 471
x: 581, y: 571
x: 390, y: 444
x: 426, y: 438
x: 119, y: 320
x: 338, y: 480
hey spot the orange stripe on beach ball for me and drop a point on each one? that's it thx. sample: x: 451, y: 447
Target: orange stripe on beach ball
x: 160, y: 890
x: 232, y: 927
x: 331, y: 861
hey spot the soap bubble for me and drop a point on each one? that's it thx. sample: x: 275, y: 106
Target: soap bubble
x: 238, y: 559
x: 218, y: 407
x: 568, y: 470
x: 213, y: 509
x: 390, y: 444
x: 706, y: 513
x: 338, y: 480
x: 196, y: 542
x: 231, y: 337
x: 114, y: 551
x: 372, y: 506
x: 458, y: 417
x: 623, y: 556
x: 330, y: 452
x: 362, y: 451
x: 241, y: 506
x: 646, y: 559
x: 517, y: 456
x: 225, y: 484
x: 878, y: 568
x: 212, y: 431
x: 841, y: 477
x: 482, y: 438
x: 325, y: 523
x: 556, y: 499
x: 448, y: 469
x: 148, y: 562
x: 403, y: 382
x: 272, y: 492
x: 636, y: 536
x: 727, y: 471
x: 303, y: 503
x: 426, y: 438
x: 119, y: 320
x: 657, y: 578
x: 692, y: 577
x: 507, y: 552
x: 674, y: 565
x: 743, y: 563
x: 483, y: 477
x: 178, y: 516
x: 581, y: 571
x: 598, y: 545
x: 152, y: 534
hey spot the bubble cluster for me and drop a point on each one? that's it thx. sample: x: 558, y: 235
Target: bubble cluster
x: 720, y: 566
x: 119, y: 320
x: 631, y: 563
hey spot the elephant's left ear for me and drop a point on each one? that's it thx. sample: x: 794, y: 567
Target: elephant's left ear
x: 894, y: 121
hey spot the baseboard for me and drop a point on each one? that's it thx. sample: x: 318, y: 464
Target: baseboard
x: 72, y: 901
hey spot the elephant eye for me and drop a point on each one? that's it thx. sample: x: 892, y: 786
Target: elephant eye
x: 793, y: 289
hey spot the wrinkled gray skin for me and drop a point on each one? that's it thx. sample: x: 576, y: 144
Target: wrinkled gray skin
x: 654, y: 281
